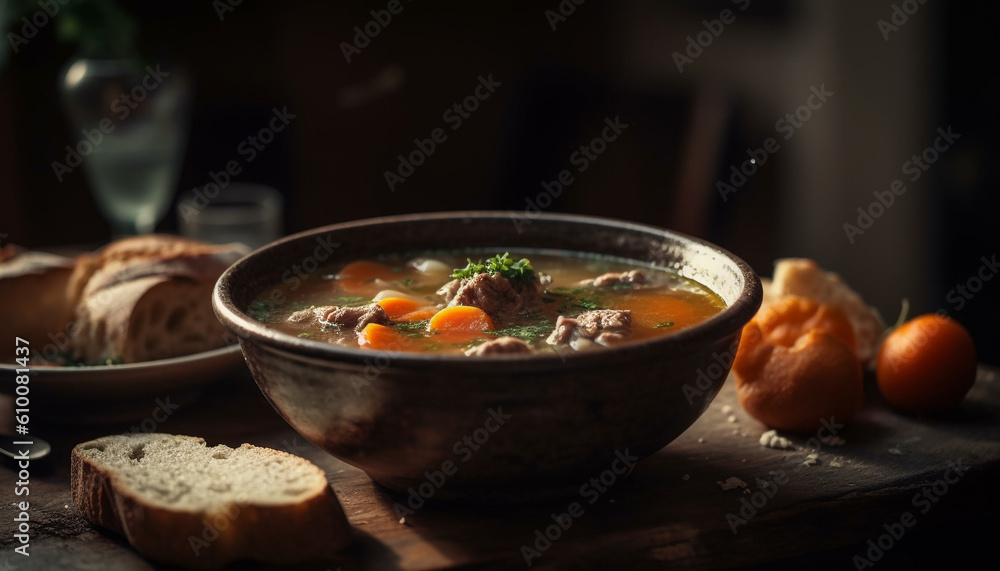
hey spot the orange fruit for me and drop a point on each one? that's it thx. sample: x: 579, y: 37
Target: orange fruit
x: 796, y: 366
x: 928, y: 364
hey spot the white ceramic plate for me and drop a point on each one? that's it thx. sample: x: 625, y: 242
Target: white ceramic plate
x: 113, y: 393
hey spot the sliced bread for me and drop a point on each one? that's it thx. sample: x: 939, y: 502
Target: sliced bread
x: 148, y: 298
x: 180, y: 502
x: 35, y: 306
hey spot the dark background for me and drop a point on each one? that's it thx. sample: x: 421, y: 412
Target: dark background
x: 605, y: 60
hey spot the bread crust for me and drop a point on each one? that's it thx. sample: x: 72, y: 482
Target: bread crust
x: 111, y: 285
x: 312, y: 529
x: 33, y: 288
x: 804, y: 277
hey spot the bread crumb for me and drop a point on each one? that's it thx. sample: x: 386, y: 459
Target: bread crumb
x: 736, y: 431
x: 732, y: 418
x: 811, y: 460
x: 763, y: 484
x: 832, y: 440
x: 726, y: 409
x: 732, y: 483
x: 701, y: 441
x: 402, y: 520
x: 897, y: 449
x: 771, y: 439
x: 835, y: 463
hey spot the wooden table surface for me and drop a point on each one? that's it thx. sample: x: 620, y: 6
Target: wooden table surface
x: 670, y: 511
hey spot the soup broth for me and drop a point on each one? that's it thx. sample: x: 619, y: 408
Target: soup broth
x: 469, y: 303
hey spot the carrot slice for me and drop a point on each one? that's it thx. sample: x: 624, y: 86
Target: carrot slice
x: 364, y: 270
x: 356, y: 276
x: 418, y: 315
x: 461, y: 318
x: 398, y: 306
x: 382, y: 338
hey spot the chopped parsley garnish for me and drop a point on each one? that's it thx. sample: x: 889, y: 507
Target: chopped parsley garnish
x: 524, y: 332
x: 305, y: 335
x: 260, y: 310
x: 664, y: 324
x: 412, y: 328
x: 502, y: 265
x: 412, y: 325
x: 586, y: 303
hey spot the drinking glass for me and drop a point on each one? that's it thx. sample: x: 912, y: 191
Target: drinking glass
x: 131, y: 122
x: 240, y: 212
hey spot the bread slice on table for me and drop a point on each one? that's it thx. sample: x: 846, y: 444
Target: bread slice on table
x: 34, y: 302
x: 147, y: 298
x: 180, y: 502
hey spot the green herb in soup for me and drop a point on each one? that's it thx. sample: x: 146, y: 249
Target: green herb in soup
x: 481, y: 303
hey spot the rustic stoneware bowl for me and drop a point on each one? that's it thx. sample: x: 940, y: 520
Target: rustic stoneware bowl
x: 491, y: 429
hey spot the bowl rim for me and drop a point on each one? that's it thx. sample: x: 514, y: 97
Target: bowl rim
x: 721, y: 325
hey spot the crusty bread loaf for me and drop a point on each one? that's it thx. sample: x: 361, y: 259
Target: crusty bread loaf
x: 33, y: 293
x: 147, y: 298
x: 180, y: 502
x: 803, y: 277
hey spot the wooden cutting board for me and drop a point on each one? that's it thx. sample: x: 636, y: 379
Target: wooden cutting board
x: 679, y: 508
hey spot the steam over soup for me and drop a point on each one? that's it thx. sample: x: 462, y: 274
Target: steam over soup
x: 472, y: 304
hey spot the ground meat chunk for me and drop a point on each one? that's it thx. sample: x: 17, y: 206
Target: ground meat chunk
x: 633, y: 277
x: 501, y: 346
x: 309, y: 315
x: 603, y: 326
x: 356, y: 317
x: 496, y: 295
